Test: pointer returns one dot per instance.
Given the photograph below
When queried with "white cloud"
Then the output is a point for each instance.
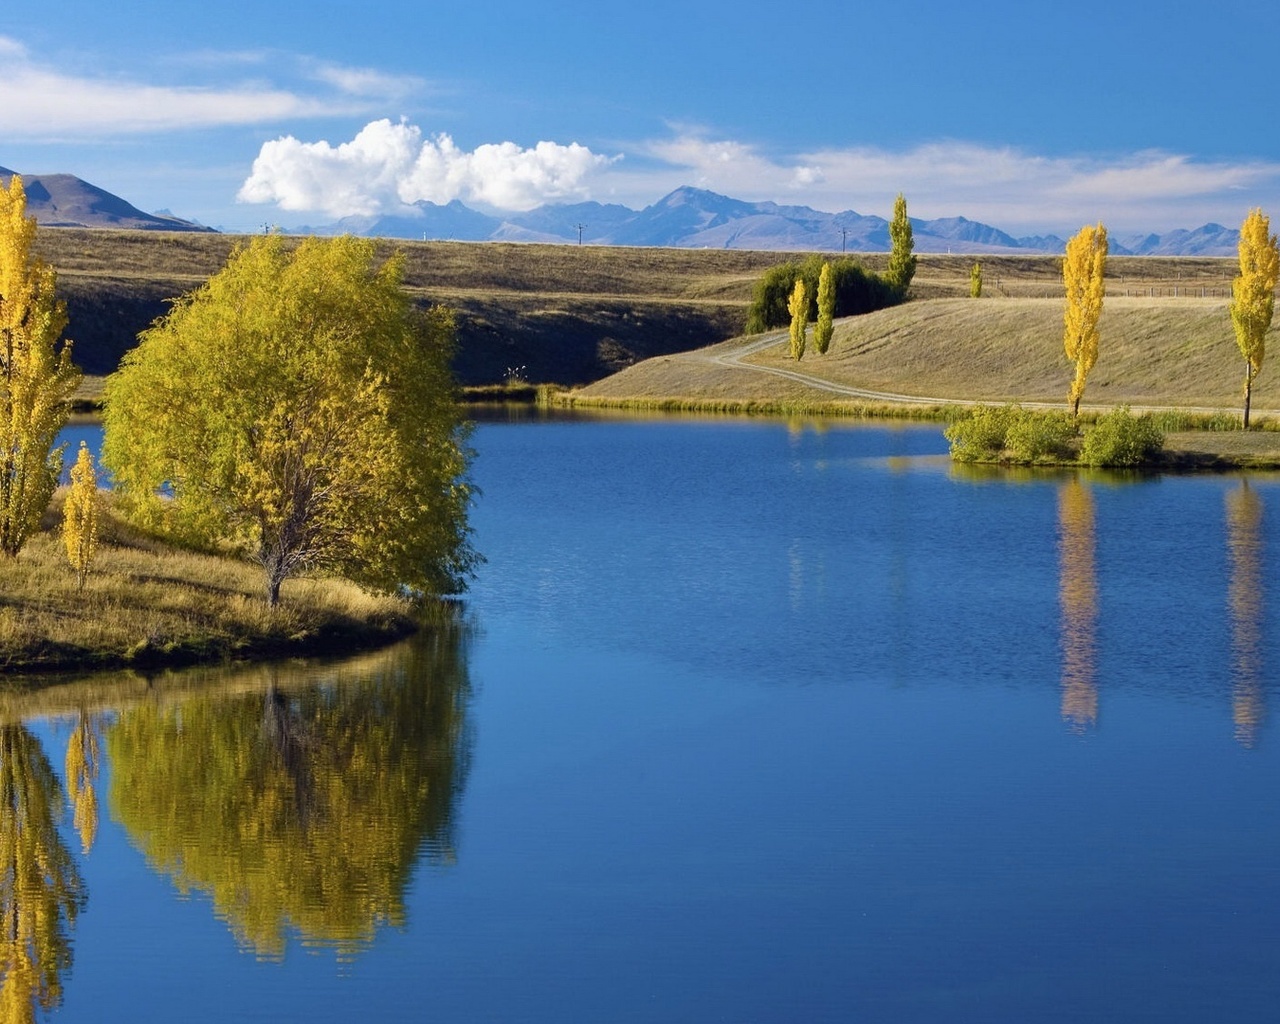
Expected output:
(363, 81)
(1003, 186)
(389, 165)
(41, 101)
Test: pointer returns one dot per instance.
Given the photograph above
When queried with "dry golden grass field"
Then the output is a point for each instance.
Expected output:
(571, 315)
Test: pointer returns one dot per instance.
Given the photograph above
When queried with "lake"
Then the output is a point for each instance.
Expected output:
(751, 721)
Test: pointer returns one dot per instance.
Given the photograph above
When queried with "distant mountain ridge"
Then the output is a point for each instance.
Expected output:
(696, 218)
(685, 218)
(65, 201)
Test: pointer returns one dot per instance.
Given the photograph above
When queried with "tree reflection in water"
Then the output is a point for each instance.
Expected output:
(1245, 604)
(301, 807)
(1078, 595)
(41, 891)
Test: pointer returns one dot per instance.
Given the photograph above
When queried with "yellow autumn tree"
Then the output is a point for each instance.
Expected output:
(798, 307)
(300, 407)
(1083, 272)
(80, 515)
(1253, 297)
(36, 374)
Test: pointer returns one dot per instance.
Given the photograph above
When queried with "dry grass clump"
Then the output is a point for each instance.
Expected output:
(145, 603)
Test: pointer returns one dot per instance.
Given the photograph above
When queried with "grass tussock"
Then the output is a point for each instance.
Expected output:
(147, 604)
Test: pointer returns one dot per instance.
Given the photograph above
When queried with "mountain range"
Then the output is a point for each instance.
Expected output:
(686, 218)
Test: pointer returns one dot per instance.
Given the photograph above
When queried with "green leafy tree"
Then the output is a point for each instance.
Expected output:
(975, 281)
(299, 407)
(1083, 275)
(37, 376)
(825, 326)
(798, 307)
(1253, 296)
(301, 808)
(902, 259)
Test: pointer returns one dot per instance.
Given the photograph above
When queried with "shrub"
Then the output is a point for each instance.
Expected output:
(1036, 437)
(980, 436)
(1011, 433)
(1121, 439)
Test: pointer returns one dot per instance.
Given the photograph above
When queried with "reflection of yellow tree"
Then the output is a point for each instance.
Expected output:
(40, 888)
(82, 778)
(1078, 594)
(300, 809)
(1244, 597)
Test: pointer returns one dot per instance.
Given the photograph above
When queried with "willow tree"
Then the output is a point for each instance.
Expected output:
(902, 259)
(798, 307)
(825, 326)
(300, 407)
(36, 374)
(1083, 270)
(1253, 296)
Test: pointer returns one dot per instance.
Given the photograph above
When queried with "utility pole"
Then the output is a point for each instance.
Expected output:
(844, 232)
(580, 227)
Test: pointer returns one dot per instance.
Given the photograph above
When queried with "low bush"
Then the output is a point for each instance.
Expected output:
(1041, 437)
(980, 436)
(1121, 439)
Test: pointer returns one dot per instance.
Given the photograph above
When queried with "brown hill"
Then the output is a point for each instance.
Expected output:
(65, 201)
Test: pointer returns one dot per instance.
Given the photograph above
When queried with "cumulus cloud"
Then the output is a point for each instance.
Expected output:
(389, 165)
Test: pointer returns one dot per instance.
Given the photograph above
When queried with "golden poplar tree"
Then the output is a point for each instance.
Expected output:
(798, 307)
(1253, 296)
(975, 281)
(825, 327)
(36, 377)
(1083, 270)
(80, 515)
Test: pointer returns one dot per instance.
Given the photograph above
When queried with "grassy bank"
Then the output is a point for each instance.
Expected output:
(149, 604)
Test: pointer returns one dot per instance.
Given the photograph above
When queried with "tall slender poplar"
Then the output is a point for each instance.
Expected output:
(1083, 272)
(798, 307)
(80, 516)
(36, 377)
(1253, 297)
(902, 259)
(825, 327)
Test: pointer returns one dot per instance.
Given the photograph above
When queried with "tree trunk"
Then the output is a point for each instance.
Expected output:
(1248, 395)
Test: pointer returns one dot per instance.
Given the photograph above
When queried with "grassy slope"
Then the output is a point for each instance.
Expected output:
(147, 603)
(1153, 351)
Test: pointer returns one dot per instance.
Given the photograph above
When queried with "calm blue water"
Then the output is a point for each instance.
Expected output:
(755, 723)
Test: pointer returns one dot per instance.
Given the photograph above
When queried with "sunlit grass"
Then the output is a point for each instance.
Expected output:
(145, 603)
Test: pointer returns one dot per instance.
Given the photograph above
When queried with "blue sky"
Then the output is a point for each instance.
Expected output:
(1031, 116)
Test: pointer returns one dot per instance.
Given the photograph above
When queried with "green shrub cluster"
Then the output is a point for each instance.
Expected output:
(857, 290)
(1121, 439)
(1010, 433)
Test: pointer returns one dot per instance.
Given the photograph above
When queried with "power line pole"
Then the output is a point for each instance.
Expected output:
(580, 227)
